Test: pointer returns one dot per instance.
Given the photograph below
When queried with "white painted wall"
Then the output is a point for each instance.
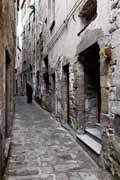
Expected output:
(68, 41)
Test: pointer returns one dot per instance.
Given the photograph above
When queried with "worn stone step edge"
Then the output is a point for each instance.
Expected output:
(90, 143)
(92, 133)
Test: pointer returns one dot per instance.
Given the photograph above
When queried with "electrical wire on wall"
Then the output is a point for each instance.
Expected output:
(65, 23)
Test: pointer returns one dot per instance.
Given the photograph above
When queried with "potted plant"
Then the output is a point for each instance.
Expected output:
(106, 52)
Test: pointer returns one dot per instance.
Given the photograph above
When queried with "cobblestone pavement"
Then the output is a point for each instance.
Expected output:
(43, 150)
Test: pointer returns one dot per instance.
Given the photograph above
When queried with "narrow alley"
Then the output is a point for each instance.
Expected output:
(59, 90)
(42, 150)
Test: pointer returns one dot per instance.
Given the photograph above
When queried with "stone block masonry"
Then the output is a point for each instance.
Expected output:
(7, 60)
(43, 150)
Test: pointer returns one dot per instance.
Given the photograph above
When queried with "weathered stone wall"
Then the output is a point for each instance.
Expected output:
(114, 68)
(7, 58)
(111, 136)
(55, 45)
(78, 96)
(111, 152)
(1, 87)
(18, 70)
(59, 47)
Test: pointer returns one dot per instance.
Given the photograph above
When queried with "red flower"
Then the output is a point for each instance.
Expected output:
(108, 52)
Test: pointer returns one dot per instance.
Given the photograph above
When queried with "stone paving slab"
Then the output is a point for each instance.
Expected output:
(43, 150)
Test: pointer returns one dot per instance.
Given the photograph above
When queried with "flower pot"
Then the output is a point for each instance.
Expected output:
(108, 52)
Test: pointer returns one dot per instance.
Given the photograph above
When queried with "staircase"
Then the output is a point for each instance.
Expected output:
(91, 142)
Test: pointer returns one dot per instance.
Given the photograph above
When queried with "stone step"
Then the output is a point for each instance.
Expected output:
(90, 143)
(95, 133)
(98, 125)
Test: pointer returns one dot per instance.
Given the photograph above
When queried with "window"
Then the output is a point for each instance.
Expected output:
(51, 14)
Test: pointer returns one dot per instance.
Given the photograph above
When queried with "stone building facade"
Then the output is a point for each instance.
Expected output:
(18, 61)
(7, 60)
(75, 77)
(28, 43)
(18, 74)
